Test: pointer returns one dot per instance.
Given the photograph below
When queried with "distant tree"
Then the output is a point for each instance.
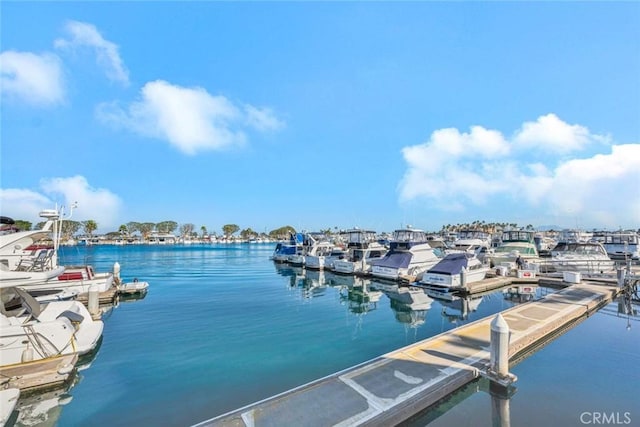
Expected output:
(70, 228)
(203, 230)
(186, 230)
(89, 226)
(133, 227)
(23, 225)
(282, 232)
(248, 233)
(166, 226)
(145, 228)
(229, 229)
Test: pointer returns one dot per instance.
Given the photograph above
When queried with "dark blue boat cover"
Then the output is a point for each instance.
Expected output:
(451, 264)
(394, 260)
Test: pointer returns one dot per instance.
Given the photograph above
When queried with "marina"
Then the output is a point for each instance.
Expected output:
(251, 360)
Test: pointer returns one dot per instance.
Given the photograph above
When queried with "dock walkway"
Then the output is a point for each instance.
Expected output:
(397, 385)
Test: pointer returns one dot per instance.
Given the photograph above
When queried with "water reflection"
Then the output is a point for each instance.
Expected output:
(359, 298)
(43, 409)
(409, 304)
(458, 309)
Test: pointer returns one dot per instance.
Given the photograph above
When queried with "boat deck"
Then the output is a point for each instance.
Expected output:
(395, 386)
(38, 374)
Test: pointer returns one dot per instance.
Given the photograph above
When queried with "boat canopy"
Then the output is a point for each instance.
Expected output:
(394, 260)
(452, 264)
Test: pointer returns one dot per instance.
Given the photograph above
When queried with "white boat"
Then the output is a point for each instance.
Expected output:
(30, 259)
(410, 255)
(135, 287)
(362, 248)
(620, 245)
(515, 243)
(324, 257)
(453, 272)
(8, 400)
(471, 241)
(583, 257)
(32, 331)
(312, 245)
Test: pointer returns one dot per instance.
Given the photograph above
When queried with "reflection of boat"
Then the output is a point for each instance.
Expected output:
(520, 293)
(410, 304)
(361, 299)
(8, 400)
(459, 308)
(43, 409)
(362, 248)
(410, 254)
(444, 278)
(34, 332)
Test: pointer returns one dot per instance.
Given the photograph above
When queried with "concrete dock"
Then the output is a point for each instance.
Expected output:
(397, 385)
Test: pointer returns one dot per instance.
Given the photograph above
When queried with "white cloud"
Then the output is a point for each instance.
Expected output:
(32, 78)
(191, 119)
(23, 204)
(262, 119)
(86, 35)
(550, 134)
(99, 204)
(479, 167)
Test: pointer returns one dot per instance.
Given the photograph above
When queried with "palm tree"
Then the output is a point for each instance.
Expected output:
(90, 226)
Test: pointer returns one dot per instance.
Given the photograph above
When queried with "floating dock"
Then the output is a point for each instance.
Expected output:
(391, 388)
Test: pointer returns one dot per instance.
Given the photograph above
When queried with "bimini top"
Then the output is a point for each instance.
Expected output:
(6, 220)
(452, 264)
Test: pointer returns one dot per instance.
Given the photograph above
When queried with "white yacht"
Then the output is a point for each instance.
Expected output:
(583, 257)
(620, 245)
(471, 241)
(410, 254)
(31, 331)
(312, 245)
(362, 248)
(453, 272)
(30, 259)
(325, 257)
(515, 243)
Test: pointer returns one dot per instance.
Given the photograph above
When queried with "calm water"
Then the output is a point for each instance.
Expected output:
(222, 327)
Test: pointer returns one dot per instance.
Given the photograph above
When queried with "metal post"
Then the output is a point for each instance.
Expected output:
(500, 346)
(94, 300)
(620, 275)
(116, 273)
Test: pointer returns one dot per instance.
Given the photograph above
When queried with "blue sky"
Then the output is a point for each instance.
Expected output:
(322, 114)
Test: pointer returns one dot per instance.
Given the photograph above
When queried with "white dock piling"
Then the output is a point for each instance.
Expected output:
(500, 346)
(116, 273)
(94, 300)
